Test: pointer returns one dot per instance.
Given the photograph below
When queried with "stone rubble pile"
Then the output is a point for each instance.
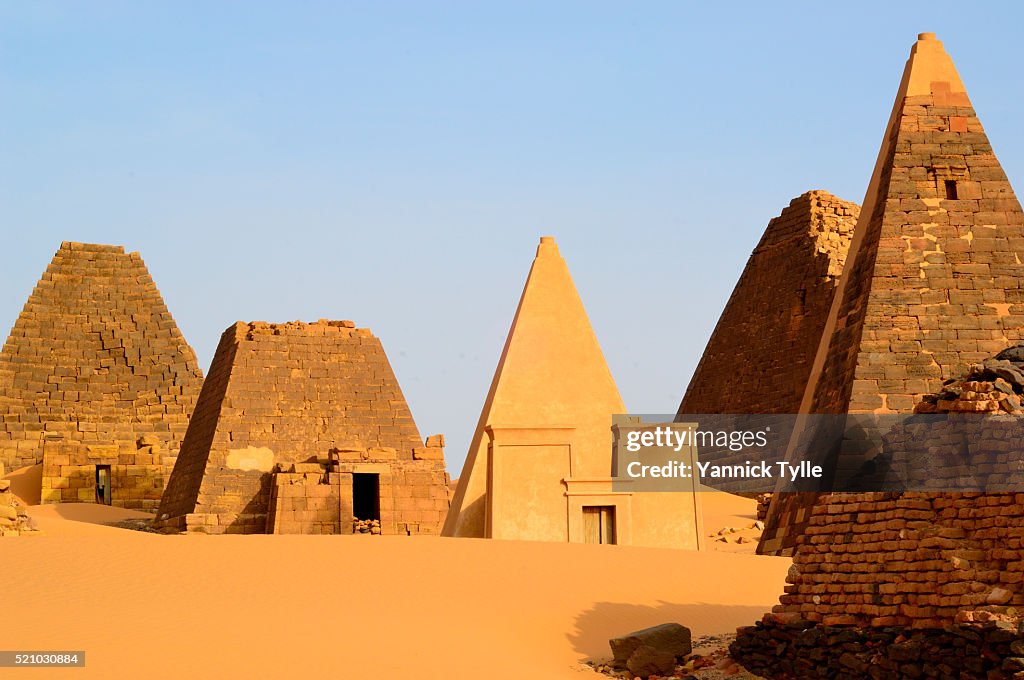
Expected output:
(995, 385)
(365, 526)
(764, 500)
(736, 534)
(14, 519)
(708, 660)
(785, 646)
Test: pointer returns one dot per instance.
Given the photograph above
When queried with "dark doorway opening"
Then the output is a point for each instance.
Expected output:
(366, 495)
(103, 484)
(599, 524)
(950, 189)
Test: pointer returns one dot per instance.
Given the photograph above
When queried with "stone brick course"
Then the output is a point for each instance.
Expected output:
(136, 478)
(785, 648)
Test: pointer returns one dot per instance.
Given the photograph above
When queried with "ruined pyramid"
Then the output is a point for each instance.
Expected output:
(302, 428)
(761, 351)
(932, 281)
(95, 364)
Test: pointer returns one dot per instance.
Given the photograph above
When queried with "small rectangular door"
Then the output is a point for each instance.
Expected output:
(103, 484)
(599, 524)
(366, 496)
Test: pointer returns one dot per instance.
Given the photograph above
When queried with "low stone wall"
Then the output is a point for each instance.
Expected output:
(136, 474)
(786, 648)
(310, 498)
(316, 497)
(305, 502)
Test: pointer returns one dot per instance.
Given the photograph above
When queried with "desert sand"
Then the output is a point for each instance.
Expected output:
(732, 518)
(26, 483)
(151, 606)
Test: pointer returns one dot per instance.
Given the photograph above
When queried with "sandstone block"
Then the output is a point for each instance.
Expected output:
(646, 661)
(668, 638)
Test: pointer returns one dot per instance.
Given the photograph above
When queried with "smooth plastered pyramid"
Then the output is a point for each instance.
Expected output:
(552, 377)
(540, 466)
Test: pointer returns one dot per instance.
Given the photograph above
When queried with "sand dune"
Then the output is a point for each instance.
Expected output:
(26, 483)
(146, 605)
(82, 519)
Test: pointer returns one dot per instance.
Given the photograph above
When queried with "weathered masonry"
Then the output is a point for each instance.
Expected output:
(915, 583)
(96, 381)
(932, 283)
(761, 351)
(302, 428)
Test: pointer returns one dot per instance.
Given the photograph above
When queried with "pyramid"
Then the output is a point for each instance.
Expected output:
(541, 453)
(289, 418)
(932, 281)
(761, 351)
(95, 361)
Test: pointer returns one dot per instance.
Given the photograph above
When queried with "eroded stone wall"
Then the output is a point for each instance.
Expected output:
(95, 358)
(297, 393)
(136, 477)
(314, 498)
(759, 356)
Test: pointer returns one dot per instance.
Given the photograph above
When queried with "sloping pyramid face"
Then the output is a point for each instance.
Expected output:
(552, 374)
(932, 282)
(922, 584)
(95, 358)
(281, 394)
(760, 354)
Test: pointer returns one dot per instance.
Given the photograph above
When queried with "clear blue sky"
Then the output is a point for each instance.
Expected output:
(394, 162)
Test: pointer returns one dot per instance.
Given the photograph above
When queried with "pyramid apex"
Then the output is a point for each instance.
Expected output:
(930, 71)
(547, 245)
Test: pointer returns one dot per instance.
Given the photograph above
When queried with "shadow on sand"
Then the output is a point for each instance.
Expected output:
(605, 620)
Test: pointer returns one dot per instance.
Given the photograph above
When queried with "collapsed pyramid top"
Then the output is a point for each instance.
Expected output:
(95, 357)
(551, 373)
(761, 350)
(932, 281)
(284, 393)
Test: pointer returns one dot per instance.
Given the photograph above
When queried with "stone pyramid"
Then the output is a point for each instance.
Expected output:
(918, 583)
(95, 360)
(551, 376)
(761, 351)
(314, 400)
(932, 283)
